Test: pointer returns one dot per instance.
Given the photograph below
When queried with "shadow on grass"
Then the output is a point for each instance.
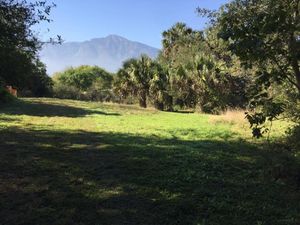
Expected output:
(9, 119)
(204, 134)
(184, 111)
(49, 110)
(116, 178)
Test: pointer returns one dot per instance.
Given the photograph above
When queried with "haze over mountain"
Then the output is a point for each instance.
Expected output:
(109, 53)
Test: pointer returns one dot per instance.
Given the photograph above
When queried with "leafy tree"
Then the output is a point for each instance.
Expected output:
(264, 34)
(232, 81)
(84, 82)
(18, 42)
(38, 84)
(83, 77)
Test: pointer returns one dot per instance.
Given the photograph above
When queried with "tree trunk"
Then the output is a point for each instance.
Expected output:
(143, 99)
(294, 49)
(297, 74)
(294, 61)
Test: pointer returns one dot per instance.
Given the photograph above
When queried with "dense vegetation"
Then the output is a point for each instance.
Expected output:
(264, 35)
(19, 45)
(187, 74)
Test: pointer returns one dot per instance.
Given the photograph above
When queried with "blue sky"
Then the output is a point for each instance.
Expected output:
(137, 20)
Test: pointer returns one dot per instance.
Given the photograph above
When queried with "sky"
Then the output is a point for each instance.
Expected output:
(136, 20)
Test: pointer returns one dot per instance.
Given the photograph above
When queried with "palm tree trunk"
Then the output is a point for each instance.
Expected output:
(293, 50)
(143, 99)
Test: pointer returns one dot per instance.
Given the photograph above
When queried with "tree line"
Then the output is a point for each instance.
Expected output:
(186, 74)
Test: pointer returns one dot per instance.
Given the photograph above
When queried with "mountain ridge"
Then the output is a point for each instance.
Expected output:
(107, 52)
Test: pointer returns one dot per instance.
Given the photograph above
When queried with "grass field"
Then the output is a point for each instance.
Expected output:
(70, 162)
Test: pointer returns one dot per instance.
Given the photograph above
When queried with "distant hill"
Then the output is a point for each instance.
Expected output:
(109, 53)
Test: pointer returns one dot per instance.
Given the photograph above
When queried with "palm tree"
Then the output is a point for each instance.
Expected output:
(143, 78)
(135, 77)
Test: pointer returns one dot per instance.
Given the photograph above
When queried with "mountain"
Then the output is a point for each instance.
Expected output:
(109, 53)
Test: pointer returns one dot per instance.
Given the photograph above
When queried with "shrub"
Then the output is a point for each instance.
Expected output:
(66, 92)
(98, 95)
(5, 96)
(89, 83)
(293, 138)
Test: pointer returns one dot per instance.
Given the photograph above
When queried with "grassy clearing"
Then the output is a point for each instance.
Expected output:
(71, 162)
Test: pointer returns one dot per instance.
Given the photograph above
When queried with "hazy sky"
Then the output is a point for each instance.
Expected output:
(137, 20)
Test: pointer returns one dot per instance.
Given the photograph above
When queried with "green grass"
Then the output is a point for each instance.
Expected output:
(70, 162)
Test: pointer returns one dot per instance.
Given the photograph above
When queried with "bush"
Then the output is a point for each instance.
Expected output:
(5, 96)
(89, 83)
(158, 105)
(98, 95)
(291, 102)
(93, 94)
(293, 138)
(66, 92)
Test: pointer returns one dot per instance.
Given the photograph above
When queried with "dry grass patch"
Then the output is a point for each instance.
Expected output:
(230, 116)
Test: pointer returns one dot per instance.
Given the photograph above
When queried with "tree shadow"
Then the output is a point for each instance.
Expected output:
(55, 177)
(184, 111)
(8, 119)
(50, 110)
(198, 133)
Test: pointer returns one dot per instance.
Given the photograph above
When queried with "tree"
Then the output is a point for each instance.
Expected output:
(38, 83)
(201, 72)
(181, 44)
(139, 78)
(177, 36)
(159, 85)
(84, 82)
(265, 35)
(18, 42)
(83, 77)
